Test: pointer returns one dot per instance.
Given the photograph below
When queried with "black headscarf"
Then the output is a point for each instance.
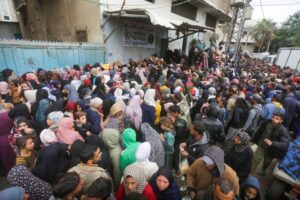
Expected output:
(172, 192)
(19, 110)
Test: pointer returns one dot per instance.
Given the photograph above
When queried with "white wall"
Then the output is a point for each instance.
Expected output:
(7, 9)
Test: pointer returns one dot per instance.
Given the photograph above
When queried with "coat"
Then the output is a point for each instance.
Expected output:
(280, 138)
(197, 148)
(148, 193)
(95, 119)
(148, 114)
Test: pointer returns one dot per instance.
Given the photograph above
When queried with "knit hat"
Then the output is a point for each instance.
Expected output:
(4, 87)
(48, 137)
(30, 95)
(143, 151)
(96, 102)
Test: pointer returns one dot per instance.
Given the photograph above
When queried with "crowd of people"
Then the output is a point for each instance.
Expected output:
(130, 131)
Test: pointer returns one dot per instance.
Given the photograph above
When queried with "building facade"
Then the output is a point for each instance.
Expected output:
(9, 25)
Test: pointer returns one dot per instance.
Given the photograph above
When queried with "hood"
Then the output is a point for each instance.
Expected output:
(203, 140)
(128, 137)
(217, 155)
(253, 182)
(111, 137)
(143, 151)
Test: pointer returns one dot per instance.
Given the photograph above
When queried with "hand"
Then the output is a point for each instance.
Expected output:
(184, 153)
(268, 142)
(88, 133)
(161, 137)
(182, 145)
(8, 106)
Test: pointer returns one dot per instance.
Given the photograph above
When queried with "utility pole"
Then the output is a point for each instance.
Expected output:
(241, 11)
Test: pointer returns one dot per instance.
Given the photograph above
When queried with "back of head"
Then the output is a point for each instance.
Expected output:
(65, 185)
(174, 109)
(226, 186)
(199, 126)
(87, 153)
(100, 188)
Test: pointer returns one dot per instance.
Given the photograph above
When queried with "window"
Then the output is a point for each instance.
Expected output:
(151, 1)
(6, 17)
(81, 36)
(210, 21)
(186, 10)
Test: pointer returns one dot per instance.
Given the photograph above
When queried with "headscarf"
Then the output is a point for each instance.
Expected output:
(48, 137)
(116, 108)
(149, 97)
(137, 173)
(96, 102)
(32, 77)
(4, 87)
(172, 192)
(30, 95)
(143, 152)
(134, 111)
(65, 132)
(12, 193)
(37, 189)
(19, 110)
(70, 106)
(245, 142)
(73, 95)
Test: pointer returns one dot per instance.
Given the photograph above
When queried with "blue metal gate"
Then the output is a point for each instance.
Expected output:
(23, 56)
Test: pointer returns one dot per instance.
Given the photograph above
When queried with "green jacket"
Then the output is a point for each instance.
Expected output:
(169, 142)
(128, 155)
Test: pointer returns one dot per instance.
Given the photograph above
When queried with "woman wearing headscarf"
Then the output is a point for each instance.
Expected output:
(239, 155)
(116, 118)
(239, 117)
(129, 140)
(65, 132)
(19, 110)
(7, 154)
(23, 127)
(142, 160)
(148, 108)
(157, 154)
(134, 180)
(94, 116)
(36, 188)
(72, 93)
(164, 185)
(134, 111)
(111, 139)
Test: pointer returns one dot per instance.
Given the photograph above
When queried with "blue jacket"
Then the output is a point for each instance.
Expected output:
(251, 181)
(269, 109)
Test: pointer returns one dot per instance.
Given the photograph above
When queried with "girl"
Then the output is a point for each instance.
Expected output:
(168, 140)
(27, 155)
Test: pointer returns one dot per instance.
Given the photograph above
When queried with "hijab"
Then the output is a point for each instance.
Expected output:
(134, 110)
(18, 111)
(65, 132)
(137, 173)
(73, 95)
(172, 192)
(37, 189)
(50, 96)
(149, 97)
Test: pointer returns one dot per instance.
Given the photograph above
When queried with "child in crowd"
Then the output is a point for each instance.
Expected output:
(81, 124)
(168, 140)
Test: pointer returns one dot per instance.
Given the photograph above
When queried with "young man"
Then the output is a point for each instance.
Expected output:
(88, 168)
(197, 144)
(272, 139)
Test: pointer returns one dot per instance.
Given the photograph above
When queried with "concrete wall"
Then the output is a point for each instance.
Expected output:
(7, 9)
(60, 19)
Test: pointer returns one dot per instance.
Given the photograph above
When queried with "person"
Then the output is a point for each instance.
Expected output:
(82, 126)
(272, 139)
(7, 153)
(100, 189)
(65, 132)
(134, 180)
(180, 128)
(157, 148)
(142, 160)
(27, 154)
(222, 189)
(239, 155)
(168, 140)
(129, 140)
(205, 170)
(24, 129)
(197, 144)
(111, 139)
(47, 137)
(148, 108)
(68, 186)
(94, 116)
(272, 107)
(164, 185)
(14, 193)
(87, 169)
(250, 189)
(254, 115)
(134, 111)
(37, 189)
(53, 119)
(73, 96)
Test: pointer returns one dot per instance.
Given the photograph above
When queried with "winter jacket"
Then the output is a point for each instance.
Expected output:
(269, 109)
(280, 138)
(148, 114)
(95, 119)
(239, 118)
(291, 106)
(169, 142)
(251, 181)
(200, 178)
(111, 139)
(148, 193)
(181, 130)
(197, 148)
(128, 155)
(215, 129)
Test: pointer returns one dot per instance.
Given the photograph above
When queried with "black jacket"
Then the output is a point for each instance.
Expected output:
(215, 128)
(280, 138)
(197, 148)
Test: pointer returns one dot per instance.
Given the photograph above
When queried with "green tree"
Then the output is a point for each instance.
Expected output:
(288, 35)
(263, 31)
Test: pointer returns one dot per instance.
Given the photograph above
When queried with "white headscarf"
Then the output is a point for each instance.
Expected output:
(143, 152)
(149, 97)
(48, 137)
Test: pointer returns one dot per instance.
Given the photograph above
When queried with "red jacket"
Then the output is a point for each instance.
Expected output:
(148, 192)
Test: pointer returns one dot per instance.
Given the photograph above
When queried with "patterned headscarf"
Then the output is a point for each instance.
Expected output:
(137, 173)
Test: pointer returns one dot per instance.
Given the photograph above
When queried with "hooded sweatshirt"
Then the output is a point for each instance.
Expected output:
(251, 181)
(200, 178)
(111, 138)
(129, 140)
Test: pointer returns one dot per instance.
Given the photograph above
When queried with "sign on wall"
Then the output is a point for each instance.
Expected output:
(139, 35)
